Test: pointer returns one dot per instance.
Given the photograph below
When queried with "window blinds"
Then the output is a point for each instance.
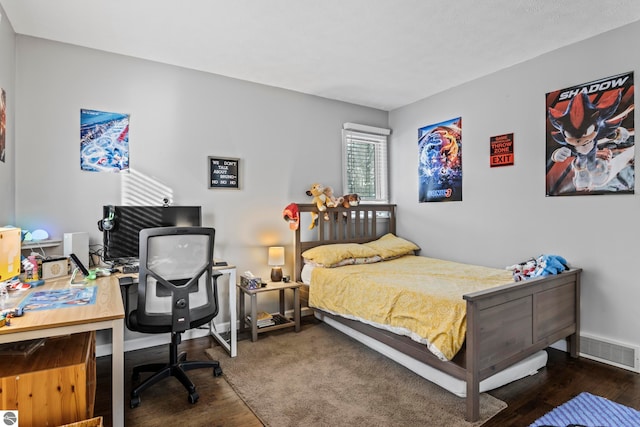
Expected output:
(365, 169)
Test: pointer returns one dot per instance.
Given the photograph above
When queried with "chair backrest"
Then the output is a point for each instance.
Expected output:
(176, 285)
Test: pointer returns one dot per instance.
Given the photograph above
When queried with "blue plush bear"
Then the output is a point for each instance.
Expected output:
(550, 264)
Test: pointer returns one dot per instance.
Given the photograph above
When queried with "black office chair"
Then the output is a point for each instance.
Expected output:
(176, 291)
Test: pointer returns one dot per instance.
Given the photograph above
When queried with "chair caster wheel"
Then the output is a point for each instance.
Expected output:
(135, 402)
(217, 371)
(193, 397)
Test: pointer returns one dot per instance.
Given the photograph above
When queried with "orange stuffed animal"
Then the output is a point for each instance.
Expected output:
(350, 200)
(323, 198)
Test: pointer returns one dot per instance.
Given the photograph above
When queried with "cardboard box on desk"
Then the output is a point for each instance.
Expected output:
(9, 253)
(52, 268)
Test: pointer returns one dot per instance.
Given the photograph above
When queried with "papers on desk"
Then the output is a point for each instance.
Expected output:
(59, 298)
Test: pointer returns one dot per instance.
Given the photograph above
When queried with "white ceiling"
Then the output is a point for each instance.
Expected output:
(377, 53)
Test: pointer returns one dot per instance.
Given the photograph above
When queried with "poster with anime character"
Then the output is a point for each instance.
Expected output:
(104, 141)
(590, 138)
(440, 162)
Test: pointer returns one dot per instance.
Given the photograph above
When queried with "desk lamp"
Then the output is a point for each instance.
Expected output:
(276, 260)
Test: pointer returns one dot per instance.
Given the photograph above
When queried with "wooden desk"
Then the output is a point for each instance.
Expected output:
(106, 313)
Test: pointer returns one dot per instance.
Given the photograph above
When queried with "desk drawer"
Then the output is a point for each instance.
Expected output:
(54, 385)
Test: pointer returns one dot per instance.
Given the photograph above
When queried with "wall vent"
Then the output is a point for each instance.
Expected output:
(614, 353)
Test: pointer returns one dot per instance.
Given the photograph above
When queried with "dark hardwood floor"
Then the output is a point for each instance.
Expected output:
(527, 399)
(562, 379)
(227, 409)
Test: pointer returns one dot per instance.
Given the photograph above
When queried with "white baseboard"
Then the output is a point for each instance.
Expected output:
(152, 340)
(605, 350)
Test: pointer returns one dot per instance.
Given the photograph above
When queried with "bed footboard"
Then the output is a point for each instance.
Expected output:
(511, 322)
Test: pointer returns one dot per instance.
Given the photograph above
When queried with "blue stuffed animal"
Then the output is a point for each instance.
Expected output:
(550, 264)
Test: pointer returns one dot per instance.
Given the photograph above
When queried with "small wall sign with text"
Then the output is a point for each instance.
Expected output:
(501, 150)
(224, 172)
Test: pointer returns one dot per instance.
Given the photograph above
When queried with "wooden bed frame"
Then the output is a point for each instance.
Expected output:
(505, 325)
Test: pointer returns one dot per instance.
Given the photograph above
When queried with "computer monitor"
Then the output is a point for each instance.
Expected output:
(122, 239)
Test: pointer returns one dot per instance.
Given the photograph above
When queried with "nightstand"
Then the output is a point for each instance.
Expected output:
(279, 318)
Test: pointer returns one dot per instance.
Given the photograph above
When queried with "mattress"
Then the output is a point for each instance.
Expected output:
(415, 296)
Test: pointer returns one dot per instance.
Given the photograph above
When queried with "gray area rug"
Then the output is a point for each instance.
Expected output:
(321, 377)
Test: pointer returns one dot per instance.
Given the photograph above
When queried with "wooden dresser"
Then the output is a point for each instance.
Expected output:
(54, 384)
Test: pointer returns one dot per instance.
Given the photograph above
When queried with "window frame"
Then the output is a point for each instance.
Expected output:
(378, 137)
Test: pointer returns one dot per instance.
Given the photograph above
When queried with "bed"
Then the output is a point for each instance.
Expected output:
(507, 326)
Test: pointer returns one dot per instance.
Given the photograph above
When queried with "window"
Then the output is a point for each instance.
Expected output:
(365, 170)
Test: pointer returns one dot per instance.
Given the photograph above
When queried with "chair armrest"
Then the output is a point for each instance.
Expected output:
(125, 284)
(126, 281)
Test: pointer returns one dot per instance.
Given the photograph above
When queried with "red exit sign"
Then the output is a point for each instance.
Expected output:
(501, 150)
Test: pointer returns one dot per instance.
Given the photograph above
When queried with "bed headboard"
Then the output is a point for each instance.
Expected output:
(358, 224)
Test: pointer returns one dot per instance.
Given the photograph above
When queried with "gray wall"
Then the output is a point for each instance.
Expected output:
(7, 75)
(505, 217)
(285, 140)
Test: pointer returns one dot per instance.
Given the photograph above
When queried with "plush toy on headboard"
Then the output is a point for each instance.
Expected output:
(323, 198)
(291, 214)
(350, 200)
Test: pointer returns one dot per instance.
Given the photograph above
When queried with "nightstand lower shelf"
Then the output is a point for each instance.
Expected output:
(281, 321)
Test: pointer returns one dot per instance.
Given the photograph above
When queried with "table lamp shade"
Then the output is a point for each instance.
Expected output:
(276, 259)
(276, 255)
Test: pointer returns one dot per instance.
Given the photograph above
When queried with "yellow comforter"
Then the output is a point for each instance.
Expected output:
(413, 295)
